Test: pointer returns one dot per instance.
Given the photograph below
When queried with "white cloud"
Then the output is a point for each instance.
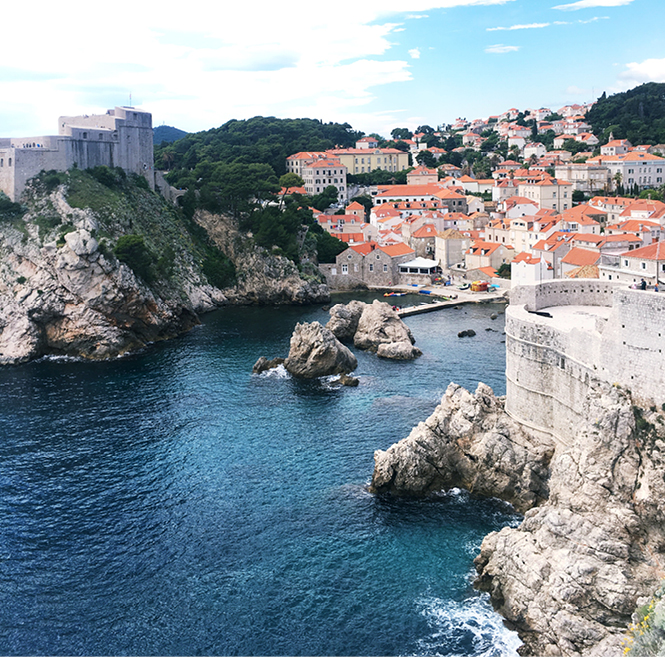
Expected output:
(415, 16)
(199, 73)
(530, 26)
(499, 48)
(414, 53)
(588, 4)
(650, 70)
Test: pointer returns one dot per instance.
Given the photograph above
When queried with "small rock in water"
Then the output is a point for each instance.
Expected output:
(468, 333)
(347, 380)
(325, 308)
(263, 364)
(493, 316)
(491, 329)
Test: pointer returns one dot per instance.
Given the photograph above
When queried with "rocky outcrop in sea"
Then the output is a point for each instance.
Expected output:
(316, 352)
(592, 543)
(373, 327)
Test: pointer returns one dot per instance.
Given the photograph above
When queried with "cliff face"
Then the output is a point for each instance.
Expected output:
(262, 277)
(63, 291)
(593, 536)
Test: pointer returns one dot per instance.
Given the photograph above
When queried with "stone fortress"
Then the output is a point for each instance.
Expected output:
(595, 330)
(120, 138)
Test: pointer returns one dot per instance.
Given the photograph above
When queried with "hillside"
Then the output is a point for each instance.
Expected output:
(637, 115)
(166, 133)
(93, 264)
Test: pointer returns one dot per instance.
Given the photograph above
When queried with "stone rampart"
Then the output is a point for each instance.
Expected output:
(596, 331)
(581, 292)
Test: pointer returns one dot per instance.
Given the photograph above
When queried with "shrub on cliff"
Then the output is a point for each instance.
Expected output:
(8, 210)
(131, 250)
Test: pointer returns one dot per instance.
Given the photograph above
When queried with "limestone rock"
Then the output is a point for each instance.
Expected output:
(590, 546)
(263, 364)
(315, 352)
(468, 333)
(380, 324)
(262, 277)
(344, 319)
(350, 381)
(398, 351)
(468, 442)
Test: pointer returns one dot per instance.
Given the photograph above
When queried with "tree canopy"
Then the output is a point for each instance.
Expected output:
(637, 115)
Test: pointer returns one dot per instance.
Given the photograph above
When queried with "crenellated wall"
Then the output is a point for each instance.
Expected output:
(596, 330)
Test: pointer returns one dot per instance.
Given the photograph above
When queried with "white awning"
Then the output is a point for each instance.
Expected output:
(420, 263)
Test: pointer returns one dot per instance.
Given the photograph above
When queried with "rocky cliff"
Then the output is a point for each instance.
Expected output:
(262, 277)
(592, 541)
(67, 288)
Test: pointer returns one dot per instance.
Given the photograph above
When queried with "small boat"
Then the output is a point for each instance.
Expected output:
(424, 292)
(394, 294)
(464, 286)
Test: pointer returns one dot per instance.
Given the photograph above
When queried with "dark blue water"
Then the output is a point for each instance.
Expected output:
(173, 503)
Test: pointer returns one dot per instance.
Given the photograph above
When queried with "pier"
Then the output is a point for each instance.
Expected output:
(433, 301)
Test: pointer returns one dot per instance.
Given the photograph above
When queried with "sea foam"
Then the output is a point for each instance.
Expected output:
(470, 627)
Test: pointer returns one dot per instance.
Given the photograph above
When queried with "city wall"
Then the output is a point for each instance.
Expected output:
(598, 331)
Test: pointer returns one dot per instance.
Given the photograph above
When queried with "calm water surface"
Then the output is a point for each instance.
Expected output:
(173, 503)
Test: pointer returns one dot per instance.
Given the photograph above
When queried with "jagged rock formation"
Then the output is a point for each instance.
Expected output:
(263, 364)
(468, 442)
(375, 327)
(63, 292)
(316, 352)
(592, 541)
(262, 277)
(344, 319)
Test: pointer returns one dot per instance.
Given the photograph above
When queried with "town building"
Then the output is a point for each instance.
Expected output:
(324, 172)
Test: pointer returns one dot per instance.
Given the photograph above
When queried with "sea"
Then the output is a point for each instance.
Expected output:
(173, 503)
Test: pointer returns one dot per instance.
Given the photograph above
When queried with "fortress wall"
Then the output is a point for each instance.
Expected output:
(633, 344)
(550, 362)
(545, 383)
(563, 292)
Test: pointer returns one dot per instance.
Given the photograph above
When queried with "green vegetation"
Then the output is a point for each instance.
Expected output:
(131, 250)
(261, 140)
(154, 236)
(10, 211)
(637, 115)
(328, 247)
(646, 636)
(166, 133)
(504, 270)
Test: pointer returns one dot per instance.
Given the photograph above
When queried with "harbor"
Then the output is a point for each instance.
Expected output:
(438, 297)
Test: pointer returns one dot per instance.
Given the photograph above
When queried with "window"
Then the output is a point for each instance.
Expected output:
(371, 266)
(385, 268)
(644, 265)
(9, 162)
(625, 263)
(345, 269)
(85, 135)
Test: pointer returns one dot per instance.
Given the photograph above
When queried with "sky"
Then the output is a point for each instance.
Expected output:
(376, 64)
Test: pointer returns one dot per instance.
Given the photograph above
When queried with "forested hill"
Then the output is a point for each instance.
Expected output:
(637, 115)
(166, 133)
(261, 140)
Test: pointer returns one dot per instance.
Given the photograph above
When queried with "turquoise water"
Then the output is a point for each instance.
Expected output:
(173, 503)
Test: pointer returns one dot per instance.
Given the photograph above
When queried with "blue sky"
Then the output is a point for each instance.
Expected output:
(377, 64)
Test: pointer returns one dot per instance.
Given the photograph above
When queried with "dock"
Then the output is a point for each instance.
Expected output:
(432, 303)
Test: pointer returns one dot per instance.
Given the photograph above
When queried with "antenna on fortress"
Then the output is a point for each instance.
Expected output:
(130, 99)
